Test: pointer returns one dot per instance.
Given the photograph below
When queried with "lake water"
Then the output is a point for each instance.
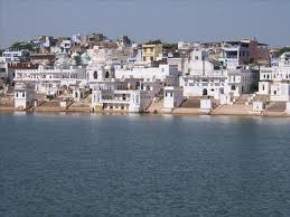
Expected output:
(96, 165)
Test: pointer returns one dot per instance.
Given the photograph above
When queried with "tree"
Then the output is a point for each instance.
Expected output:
(78, 60)
(283, 50)
(23, 46)
(154, 42)
(170, 46)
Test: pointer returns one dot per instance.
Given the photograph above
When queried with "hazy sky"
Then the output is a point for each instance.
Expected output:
(172, 20)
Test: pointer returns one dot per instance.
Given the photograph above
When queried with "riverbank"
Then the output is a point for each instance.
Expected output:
(177, 112)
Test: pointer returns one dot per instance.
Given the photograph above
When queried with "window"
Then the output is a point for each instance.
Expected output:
(233, 87)
(231, 54)
(196, 57)
(107, 75)
(95, 75)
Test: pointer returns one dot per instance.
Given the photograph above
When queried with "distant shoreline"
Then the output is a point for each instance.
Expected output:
(4, 110)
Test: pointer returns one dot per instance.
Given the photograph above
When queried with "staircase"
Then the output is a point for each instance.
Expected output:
(235, 109)
(276, 107)
(243, 99)
(191, 102)
(262, 98)
(156, 106)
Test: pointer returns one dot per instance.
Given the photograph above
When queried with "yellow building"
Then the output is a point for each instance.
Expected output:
(150, 52)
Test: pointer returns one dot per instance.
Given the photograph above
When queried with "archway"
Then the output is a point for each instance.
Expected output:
(95, 75)
(204, 92)
(107, 74)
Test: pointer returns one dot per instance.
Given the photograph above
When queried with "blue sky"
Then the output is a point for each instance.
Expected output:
(171, 20)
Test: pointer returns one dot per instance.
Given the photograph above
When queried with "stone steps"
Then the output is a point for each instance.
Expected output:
(276, 107)
(155, 106)
(235, 109)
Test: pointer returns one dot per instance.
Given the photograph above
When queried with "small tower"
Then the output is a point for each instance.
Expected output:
(23, 96)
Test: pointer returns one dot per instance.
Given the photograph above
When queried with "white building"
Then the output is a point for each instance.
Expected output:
(207, 77)
(135, 56)
(275, 80)
(206, 105)
(181, 45)
(49, 80)
(23, 96)
(65, 45)
(173, 97)
(15, 55)
(111, 99)
(76, 38)
(100, 73)
(108, 56)
(288, 108)
(235, 54)
(243, 52)
(164, 73)
(3, 68)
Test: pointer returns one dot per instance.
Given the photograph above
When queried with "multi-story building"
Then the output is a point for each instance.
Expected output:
(49, 81)
(166, 74)
(112, 91)
(238, 53)
(3, 68)
(151, 52)
(275, 80)
(207, 77)
(121, 100)
(16, 55)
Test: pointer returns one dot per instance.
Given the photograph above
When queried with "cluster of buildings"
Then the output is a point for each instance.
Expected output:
(124, 76)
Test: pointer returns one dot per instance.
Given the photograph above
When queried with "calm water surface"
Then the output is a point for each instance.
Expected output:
(86, 165)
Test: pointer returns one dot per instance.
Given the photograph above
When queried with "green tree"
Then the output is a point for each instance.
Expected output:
(23, 46)
(154, 42)
(78, 60)
(283, 50)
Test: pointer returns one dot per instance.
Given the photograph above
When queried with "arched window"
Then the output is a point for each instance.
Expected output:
(107, 75)
(95, 75)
